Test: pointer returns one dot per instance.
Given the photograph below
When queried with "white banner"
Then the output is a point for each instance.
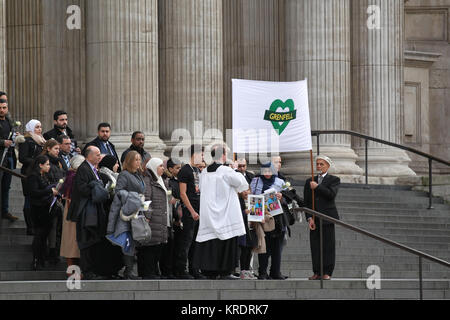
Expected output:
(270, 117)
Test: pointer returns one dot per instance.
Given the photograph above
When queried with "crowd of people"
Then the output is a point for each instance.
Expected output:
(83, 205)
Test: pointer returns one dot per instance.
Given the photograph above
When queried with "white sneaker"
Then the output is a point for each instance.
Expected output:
(251, 276)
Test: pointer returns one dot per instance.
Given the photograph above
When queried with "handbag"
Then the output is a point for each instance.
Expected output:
(269, 224)
(140, 229)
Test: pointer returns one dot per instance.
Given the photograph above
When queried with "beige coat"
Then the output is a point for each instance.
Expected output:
(69, 245)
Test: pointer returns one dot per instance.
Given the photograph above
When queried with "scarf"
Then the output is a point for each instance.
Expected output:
(153, 165)
(267, 183)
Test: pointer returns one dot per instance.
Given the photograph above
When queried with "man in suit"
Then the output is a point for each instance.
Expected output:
(102, 142)
(137, 144)
(89, 239)
(242, 168)
(65, 144)
(60, 121)
(325, 188)
(9, 160)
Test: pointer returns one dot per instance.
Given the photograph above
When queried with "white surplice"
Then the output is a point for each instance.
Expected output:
(220, 211)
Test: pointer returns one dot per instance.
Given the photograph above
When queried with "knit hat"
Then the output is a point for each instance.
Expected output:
(31, 125)
(108, 162)
(326, 159)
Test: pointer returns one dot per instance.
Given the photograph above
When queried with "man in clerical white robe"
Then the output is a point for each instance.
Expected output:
(221, 221)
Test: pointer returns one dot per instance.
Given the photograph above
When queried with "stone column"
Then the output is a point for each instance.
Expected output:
(253, 44)
(3, 45)
(318, 48)
(122, 70)
(377, 100)
(191, 69)
(46, 70)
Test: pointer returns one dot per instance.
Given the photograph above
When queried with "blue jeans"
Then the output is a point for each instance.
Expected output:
(6, 185)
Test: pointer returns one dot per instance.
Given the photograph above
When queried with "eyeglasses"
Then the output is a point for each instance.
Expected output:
(3, 101)
(242, 166)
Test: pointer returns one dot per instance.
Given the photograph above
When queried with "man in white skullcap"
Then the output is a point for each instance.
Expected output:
(325, 188)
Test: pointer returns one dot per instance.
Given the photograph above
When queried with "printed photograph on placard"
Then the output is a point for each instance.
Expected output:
(256, 208)
(272, 204)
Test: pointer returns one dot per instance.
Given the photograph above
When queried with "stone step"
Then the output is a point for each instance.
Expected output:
(389, 205)
(291, 289)
(374, 198)
(32, 275)
(393, 212)
(403, 239)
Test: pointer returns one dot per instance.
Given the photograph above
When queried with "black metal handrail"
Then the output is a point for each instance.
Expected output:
(13, 173)
(367, 138)
(420, 254)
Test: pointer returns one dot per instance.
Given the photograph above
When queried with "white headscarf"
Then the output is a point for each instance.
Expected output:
(153, 165)
(31, 125)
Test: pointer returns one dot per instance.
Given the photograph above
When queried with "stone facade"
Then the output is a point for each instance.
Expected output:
(157, 66)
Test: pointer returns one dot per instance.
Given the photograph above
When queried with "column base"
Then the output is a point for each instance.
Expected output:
(386, 165)
(298, 165)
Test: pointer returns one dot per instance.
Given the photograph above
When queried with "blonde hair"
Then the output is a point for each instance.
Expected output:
(129, 159)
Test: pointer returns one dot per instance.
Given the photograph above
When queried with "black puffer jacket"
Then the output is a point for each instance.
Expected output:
(56, 170)
(28, 151)
(158, 215)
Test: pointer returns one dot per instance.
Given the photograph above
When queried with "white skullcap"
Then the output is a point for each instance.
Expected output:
(31, 125)
(326, 159)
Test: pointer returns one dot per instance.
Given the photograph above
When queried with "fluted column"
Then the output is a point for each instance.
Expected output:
(3, 45)
(377, 70)
(318, 48)
(46, 70)
(191, 69)
(122, 70)
(253, 44)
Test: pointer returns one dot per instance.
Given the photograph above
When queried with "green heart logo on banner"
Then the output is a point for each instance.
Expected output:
(280, 120)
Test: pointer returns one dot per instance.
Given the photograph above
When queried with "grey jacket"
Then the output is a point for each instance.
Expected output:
(158, 212)
(129, 203)
(131, 182)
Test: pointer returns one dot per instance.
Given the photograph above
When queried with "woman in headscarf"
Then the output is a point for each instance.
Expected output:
(30, 146)
(69, 245)
(274, 239)
(159, 220)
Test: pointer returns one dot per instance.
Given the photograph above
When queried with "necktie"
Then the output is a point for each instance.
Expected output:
(320, 179)
(109, 149)
(66, 159)
(96, 173)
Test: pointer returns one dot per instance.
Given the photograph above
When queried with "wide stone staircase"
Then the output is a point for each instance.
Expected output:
(393, 212)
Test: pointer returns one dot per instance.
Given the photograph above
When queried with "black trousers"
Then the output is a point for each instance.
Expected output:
(329, 248)
(274, 246)
(245, 257)
(148, 260)
(42, 224)
(185, 243)
(167, 257)
(91, 260)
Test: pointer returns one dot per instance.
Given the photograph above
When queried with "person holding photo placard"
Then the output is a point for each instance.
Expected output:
(274, 239)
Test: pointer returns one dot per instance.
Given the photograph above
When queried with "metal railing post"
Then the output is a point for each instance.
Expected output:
(318, 144)
(420, 278)
(321, 253)
(430, 182)
(367, 161)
